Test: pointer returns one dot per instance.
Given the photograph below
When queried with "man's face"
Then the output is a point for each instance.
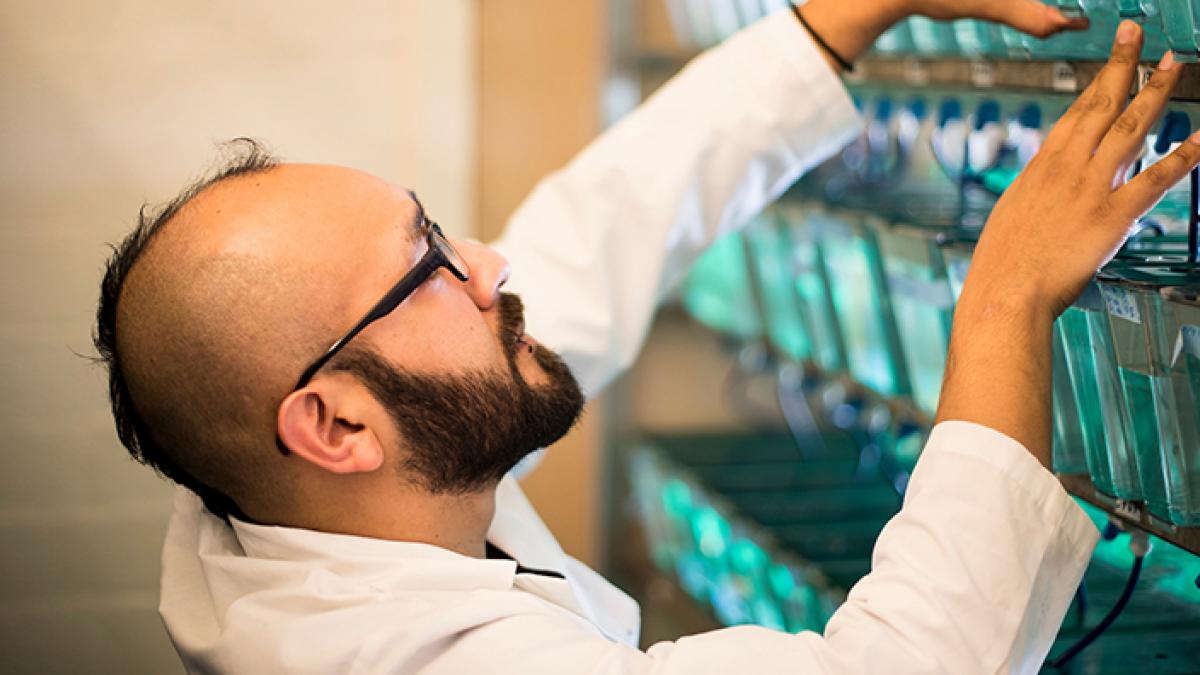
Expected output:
(462, 432)
(468, 392)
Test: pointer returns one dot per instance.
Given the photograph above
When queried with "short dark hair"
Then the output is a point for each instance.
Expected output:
(241, 156)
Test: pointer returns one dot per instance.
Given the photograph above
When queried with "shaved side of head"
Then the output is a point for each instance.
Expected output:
(193, 337)
(209, 348)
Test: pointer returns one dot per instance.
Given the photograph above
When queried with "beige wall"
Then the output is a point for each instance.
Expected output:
(109, 103)
(541, 70)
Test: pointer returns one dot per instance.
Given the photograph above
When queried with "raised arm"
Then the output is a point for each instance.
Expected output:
(597, 244)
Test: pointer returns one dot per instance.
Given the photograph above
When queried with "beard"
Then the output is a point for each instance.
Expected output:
(465, 432)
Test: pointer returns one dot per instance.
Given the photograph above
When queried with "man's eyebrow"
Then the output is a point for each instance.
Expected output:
(418, 223)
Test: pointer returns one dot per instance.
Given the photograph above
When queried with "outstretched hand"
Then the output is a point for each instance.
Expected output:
(850, 27)
(1064, 217)
(1071, 209)
(1029, 16)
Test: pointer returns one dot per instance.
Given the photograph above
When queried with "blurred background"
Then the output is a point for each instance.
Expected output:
(740, 472)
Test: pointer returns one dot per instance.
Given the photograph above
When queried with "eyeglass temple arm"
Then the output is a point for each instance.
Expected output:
(417, 276)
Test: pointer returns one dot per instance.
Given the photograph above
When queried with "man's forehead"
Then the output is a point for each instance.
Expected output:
(295, 204)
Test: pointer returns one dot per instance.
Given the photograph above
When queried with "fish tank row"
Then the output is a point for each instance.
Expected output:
(1167, 24)
(761, 536)
(856, 271)
(872, 298)
(721, 559)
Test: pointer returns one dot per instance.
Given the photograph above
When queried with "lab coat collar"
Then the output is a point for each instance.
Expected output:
(374, 561)
(425, 566)
(516, 529)
(209, 565)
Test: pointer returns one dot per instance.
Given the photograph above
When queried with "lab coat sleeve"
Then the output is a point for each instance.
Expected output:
(974, 575)
(599, 243)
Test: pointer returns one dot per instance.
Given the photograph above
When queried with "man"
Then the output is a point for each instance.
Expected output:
(301, 347)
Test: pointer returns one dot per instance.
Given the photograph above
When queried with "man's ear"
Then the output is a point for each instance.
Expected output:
(324, 424)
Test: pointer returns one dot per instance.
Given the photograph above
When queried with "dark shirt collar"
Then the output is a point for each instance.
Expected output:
(495, 553)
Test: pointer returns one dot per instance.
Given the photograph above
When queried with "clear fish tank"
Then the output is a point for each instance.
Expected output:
(770, 254)
(1087, 345)
(933, 38)
(1181, 21)
(923, 305)
(801, 223)
(1133, 305)
(717, 291)
(861, 301)
(1177, 344)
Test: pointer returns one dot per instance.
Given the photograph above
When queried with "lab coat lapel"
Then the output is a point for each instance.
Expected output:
(518, 531)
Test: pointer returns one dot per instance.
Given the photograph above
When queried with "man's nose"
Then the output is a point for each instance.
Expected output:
(489, 271)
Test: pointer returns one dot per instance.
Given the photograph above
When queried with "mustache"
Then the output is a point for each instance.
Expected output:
(512, 321)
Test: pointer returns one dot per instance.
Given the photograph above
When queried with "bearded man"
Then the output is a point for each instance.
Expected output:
(342, 392)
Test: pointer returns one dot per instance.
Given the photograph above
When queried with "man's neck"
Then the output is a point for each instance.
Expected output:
(457, 523)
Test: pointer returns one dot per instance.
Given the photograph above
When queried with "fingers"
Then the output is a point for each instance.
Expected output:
(1145, 190)
(1124, 141)
(1031, 16)
(1064, 129)
(1104, 100)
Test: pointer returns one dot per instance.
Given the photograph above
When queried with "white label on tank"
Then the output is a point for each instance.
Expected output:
(1121, 303)
(983, 74)
(1062, 77)
(1128, 510)
(915, 73)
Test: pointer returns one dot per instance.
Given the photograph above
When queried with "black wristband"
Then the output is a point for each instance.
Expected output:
(846, 65)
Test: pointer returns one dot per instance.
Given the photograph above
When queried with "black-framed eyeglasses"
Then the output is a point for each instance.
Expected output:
(440, 254)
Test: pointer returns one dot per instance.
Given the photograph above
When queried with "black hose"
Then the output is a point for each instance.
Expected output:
(1108, 619)
(1194, 218)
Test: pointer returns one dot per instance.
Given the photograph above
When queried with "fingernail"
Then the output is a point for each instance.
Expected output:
(1194, 138)
(1167, 62)
(1126, 32)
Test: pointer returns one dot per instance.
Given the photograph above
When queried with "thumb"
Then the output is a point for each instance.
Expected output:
(1029, 16)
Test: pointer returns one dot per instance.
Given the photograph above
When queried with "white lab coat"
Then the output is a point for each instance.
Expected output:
(973, 576)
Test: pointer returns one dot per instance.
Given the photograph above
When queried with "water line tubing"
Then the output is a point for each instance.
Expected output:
(1139, 543)
(1194, 218)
